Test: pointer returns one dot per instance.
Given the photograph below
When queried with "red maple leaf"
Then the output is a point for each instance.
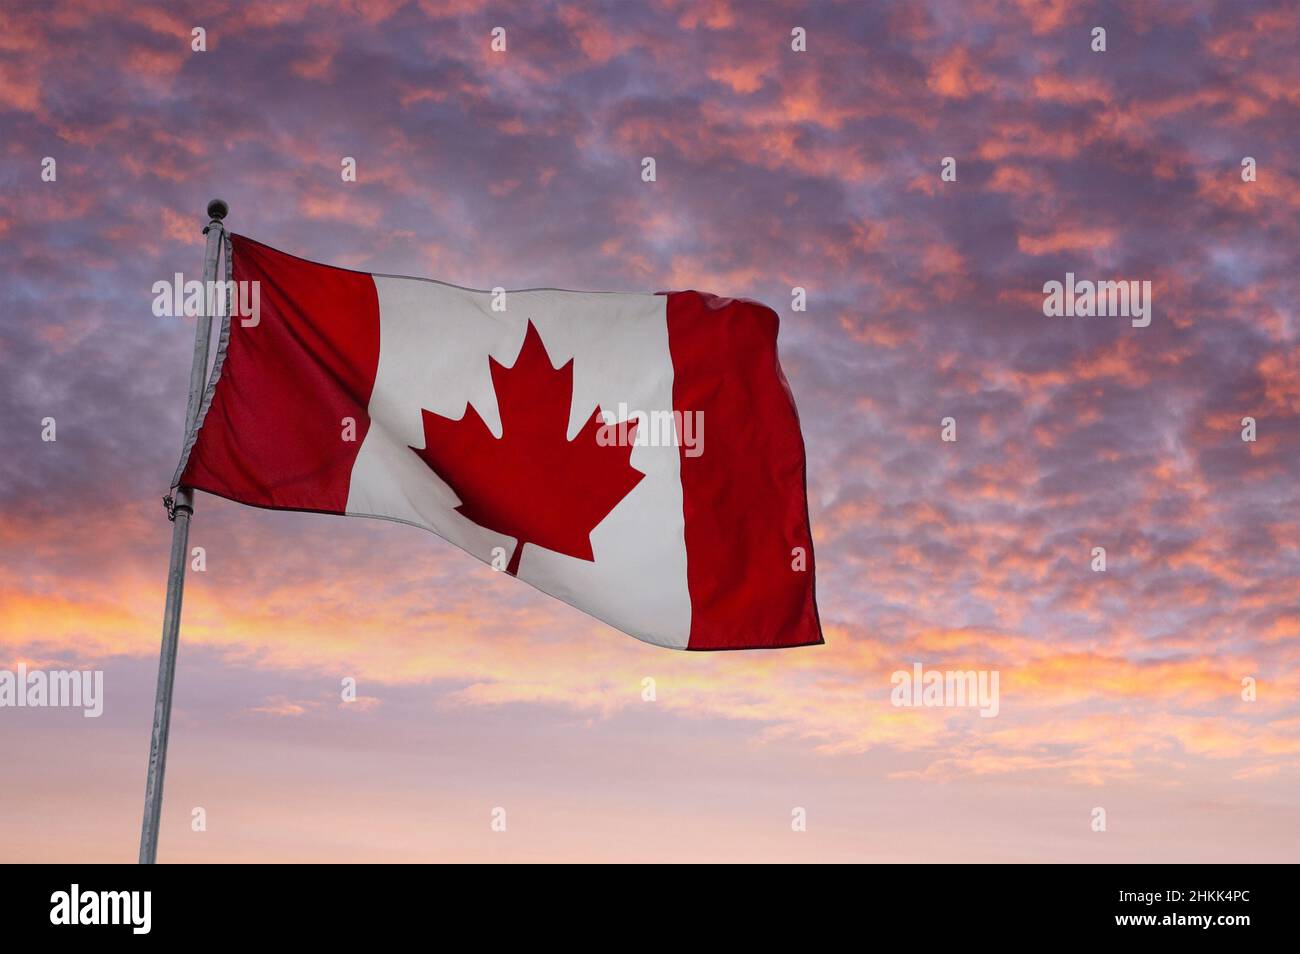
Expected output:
(533, 484)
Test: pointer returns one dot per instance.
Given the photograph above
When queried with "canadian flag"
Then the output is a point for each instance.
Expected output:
(637, 456)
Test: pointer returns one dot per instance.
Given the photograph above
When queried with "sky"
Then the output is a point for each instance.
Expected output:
(1121, 691)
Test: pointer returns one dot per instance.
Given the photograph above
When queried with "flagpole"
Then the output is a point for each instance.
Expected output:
(180, 510)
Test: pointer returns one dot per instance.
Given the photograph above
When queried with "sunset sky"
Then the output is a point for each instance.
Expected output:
(1120, 690)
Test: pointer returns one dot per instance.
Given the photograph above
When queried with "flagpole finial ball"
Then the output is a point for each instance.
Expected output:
(217, 209)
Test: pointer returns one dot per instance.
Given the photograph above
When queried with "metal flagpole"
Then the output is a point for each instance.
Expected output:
(180, 511)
